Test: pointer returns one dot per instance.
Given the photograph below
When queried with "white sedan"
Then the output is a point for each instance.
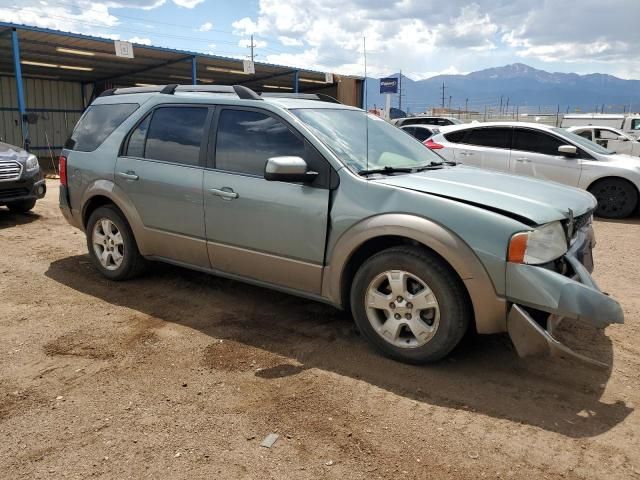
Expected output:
(609, 138)
(549, 153)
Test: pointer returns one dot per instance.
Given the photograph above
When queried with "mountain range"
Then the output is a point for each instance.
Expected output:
(518, 85)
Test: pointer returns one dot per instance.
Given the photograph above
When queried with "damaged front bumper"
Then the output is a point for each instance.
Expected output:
(541, 298)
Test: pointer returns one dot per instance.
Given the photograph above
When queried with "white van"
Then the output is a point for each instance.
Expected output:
(629, 124)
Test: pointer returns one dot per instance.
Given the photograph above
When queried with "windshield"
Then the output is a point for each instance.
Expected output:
(345, 132)
(583, 142)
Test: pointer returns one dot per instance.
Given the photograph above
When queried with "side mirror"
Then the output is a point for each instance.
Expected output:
(288, 169)
(567, 150)
(622, 138)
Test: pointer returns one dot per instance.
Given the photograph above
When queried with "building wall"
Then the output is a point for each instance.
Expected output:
(58, 105)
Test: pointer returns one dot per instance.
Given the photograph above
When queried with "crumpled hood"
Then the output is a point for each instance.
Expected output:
(11, 152)
(538, 201)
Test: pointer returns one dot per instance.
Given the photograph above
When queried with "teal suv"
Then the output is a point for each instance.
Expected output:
(304, 195)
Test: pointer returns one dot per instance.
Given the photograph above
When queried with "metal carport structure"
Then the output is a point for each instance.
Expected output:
(56, 74)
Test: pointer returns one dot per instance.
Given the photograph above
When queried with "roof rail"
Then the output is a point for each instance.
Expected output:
(301, 96)
(241, 91)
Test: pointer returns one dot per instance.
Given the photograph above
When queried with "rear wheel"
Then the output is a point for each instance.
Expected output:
(21, 206)
(111, 244)
(617, 198)
(410, 305)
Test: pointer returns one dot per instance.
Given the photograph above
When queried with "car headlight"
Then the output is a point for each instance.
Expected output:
(32, 163)
(538, 246)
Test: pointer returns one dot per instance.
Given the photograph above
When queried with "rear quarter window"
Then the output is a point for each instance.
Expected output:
(97, 123)
(457, 136)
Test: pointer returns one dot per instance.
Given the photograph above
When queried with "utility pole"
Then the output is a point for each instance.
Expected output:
(251, 47)
(501, 104)
(506, 110)
(449, 104)
(466, 107)
(443, 87)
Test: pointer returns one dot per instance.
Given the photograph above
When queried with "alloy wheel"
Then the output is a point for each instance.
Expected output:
(402, 309)
(108, 244)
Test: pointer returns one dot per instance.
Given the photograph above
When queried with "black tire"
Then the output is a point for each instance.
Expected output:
(449, 291)
(132, 262)
(21, 206)
(617, 198)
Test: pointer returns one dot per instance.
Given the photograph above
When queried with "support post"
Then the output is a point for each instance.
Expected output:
(296, 81)
(15, 43)
(194, 71)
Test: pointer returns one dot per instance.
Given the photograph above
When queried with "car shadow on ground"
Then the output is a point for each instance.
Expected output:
(12, 219)
(482, 375)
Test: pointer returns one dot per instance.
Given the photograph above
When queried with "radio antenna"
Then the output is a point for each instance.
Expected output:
(366, 99)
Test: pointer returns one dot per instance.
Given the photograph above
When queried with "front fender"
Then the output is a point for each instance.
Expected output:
(489, 308)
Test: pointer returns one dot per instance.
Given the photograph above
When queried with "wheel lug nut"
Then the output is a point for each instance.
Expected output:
(397, 316)
(399, 299)
(392, 305)
(409, 305)
(407, 316)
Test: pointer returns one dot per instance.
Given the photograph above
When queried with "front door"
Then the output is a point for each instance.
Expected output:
(535, 154)
(269, 231)
(161, 173)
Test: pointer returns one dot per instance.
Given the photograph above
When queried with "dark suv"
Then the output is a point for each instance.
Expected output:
(21, 181)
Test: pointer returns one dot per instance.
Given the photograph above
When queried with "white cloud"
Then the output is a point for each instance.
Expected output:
(422, 36)
(140, 40)
(290, 42)
(188, 3)
(205, 27)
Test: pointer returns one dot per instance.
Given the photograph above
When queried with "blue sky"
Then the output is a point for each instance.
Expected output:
(421, 37)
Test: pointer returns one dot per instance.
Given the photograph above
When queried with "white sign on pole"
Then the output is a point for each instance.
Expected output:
(328, 77)
(123, 49)
(249, 67)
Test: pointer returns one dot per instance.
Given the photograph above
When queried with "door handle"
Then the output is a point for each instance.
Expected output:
(523, 160)
(225, 193)
(130, 175)
(466, 154)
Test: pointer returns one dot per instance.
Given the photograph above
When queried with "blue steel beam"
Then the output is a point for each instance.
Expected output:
(194, 70)
(296, 81)
(15, 44)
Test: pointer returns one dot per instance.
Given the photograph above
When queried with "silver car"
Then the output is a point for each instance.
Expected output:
(324, 201)
(547, 153)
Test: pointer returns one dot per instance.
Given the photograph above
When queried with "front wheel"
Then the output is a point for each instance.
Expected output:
(410, 305)
(617, 198)
(111, 244)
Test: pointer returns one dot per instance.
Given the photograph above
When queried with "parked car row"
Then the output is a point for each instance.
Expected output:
(324, 201)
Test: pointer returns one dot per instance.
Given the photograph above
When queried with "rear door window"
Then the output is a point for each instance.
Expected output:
(175, 135)
(536, 142)
(493, 137)
(97, 123)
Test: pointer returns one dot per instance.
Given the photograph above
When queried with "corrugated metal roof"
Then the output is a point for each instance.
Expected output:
(41, 47)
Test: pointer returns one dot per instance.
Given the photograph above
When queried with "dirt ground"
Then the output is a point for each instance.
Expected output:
(182, 375)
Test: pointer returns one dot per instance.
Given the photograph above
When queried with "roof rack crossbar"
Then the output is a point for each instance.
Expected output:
(241, 91)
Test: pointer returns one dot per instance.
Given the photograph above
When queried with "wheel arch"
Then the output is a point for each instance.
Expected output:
(104, 192)
(383, 231)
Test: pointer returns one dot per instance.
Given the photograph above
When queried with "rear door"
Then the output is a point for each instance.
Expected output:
(269, 231)
(486, 147)
(161, 172)
(535, 154)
